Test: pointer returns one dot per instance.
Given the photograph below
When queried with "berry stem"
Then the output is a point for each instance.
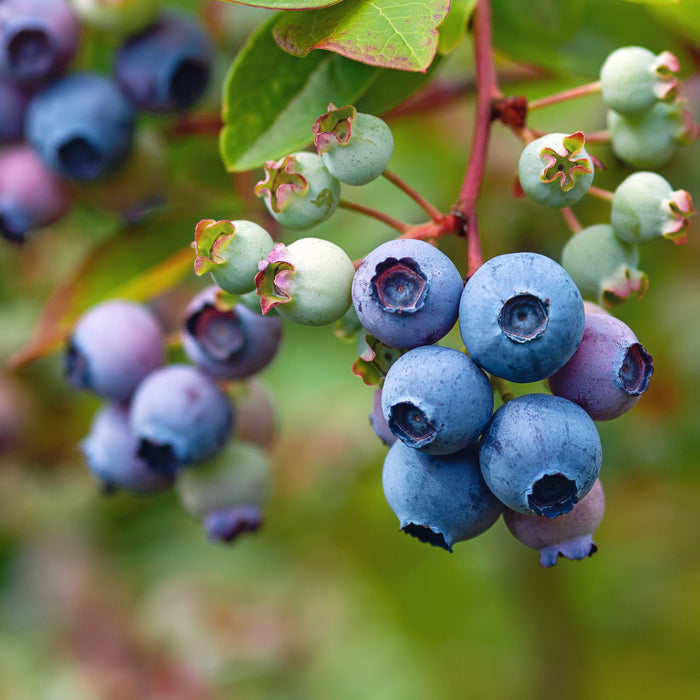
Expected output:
(502, 388)
(598, 136)
(400, 226)
(564, 95)
(571, 221)
(600, 193)
(423, 203)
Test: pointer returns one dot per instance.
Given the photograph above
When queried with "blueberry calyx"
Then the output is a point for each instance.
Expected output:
(218, 332)
(411, 425)
(334, 127)
(636, 370)
(30, 51)
(77, 367)
(399, 286)
(160, 458)
(524, 317)
(282, 183)
(566, 166)
(427, 535)
(228, 524)
(187, 82)
(552, 495)
(80, 157)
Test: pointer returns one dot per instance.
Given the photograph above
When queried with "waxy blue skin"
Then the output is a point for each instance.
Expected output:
(608, 373)
(113, 346)
(402, 325)
(180, 417)
(14, 101)
(378, 422)
(536, 437)
(440, 499)
(38, 39)
(81, 126)
(228, 344)
(165, 67)
(110, 451)
(521, 276)
(445, 391)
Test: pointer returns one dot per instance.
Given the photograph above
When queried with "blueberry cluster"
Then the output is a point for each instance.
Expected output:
(206, 427)
(63, 128)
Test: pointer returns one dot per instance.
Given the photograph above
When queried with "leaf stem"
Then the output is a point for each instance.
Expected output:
(400, 226)
(433, 212)
(564, 95)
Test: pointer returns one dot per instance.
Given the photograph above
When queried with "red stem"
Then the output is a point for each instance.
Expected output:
(573, 93)
(433, 212)
(375, 214)
(571, 221)
(600, 193)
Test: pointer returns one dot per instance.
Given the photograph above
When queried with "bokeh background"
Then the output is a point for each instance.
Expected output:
(123, 597)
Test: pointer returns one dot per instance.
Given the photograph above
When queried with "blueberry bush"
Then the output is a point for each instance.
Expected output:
(349, 348)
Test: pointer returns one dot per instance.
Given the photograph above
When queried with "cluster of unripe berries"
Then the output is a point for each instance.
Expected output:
(63, 128)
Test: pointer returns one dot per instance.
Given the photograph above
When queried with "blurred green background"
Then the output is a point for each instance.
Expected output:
(123, 597)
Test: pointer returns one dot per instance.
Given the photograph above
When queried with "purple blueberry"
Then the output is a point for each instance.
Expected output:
(569, 535)
(111, 453)
(166, 66)
(540, 454)
(436, 399)
(31, 196)
(406, 293)
(609, 371)
(81, 125)
(256, 417)
(38, 39)
(112, 347)
(441, 499)
(14, 100)
(180, 417)
(378, 422)
(225, 342)
(521, 316)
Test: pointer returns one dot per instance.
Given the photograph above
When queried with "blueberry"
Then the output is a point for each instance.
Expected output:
(298, 190)
(439, 499)
(14, 100)
(180, 417)
(110, 451)
(521, 316)
(81, 126)
(38, 39)
(228, 342)
(406, 293)
(436, 399)
(355, 147)
(540, 454)
(31, 196)
(307, 282)
(166, 66)
(609, 371)
(112, 347)
(256, 417)
(603, 266)
(569, 535)
(555, 170)
(378, 422)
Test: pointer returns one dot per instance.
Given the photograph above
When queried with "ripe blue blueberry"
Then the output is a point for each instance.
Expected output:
(31, 196)
(555, 170)
(180, 417)
(439, 499)
(540, 454)
(609, 371)
(406, 293)
(38, 39)
(112, 347)
(355, 147)
(378, 422)
(521, 316)
(14, 100)
(569, 535)
(603, 266)
(228, 342)
(298, 190)
(436, 399)
(81, 125)
(166, 66)
(110, 451)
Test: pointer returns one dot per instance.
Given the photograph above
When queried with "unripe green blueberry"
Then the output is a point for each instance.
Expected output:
(298, 190)
(308, 281)
(355, 147)
(633, 79)
(231, 251)
(117, 16)
(603, 267)
(645, 207)
(649, 141)
(555, 170)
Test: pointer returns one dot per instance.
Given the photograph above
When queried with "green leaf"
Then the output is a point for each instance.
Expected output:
(454, 28)
(287, 4)
(388, 33)
(271, 99)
